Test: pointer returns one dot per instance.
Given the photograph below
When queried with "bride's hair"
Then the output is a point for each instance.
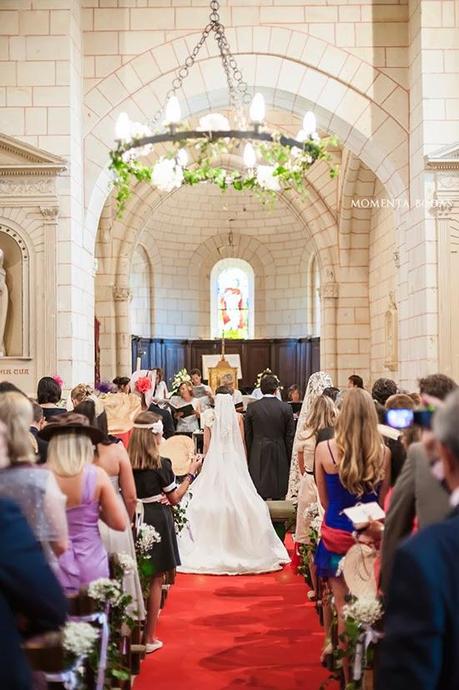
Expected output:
(322, 414)
(359, 443)
(143, 449)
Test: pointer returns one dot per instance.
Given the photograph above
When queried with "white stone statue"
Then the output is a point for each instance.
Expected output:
(3, 304)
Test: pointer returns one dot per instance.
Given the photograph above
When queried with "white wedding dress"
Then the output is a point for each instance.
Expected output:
(229, 529)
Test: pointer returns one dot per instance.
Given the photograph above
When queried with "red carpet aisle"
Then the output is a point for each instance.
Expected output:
(231, 633)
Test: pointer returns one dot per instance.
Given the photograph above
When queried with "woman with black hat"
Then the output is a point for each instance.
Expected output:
(90, 496)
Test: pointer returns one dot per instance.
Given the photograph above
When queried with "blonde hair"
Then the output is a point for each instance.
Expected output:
(17, 414)
(143, 449)
(68, 453)
(322, 414)
(359, 443)
(81, 392)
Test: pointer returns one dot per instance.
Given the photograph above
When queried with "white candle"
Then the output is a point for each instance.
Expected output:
(138, 364)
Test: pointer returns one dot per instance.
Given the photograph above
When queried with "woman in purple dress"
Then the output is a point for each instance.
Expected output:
(90, 497)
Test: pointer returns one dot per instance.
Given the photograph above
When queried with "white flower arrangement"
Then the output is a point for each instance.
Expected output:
(265, 372)
(126, 563)
(147, 538)
(214, 122)
(182, 376)
(316, 524)
(311, 511)
(366, 611)
(105, 590)
(266, 178)
(79, 638)
(167, 175)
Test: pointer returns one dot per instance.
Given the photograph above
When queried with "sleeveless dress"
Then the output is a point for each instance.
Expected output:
(86, 558)
(327, 559)
(118, 542)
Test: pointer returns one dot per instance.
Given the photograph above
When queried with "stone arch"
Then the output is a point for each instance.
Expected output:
(329, 78)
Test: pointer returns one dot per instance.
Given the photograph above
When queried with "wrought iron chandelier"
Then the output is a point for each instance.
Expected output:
(272, 162)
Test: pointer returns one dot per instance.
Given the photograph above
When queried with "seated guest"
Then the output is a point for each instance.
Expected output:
(294, 393)
(49, 393)
(29, 592)
(159, 391)
(383, 389)
(38, 422)
(190, 423)
(34, 488)
(421, 639)
(90, 496)
(416, 496)
(355, 381)
(351, 468)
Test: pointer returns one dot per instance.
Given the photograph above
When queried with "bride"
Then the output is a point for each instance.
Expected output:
(229, 530)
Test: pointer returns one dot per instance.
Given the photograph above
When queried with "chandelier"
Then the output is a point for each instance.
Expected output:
(271, 161)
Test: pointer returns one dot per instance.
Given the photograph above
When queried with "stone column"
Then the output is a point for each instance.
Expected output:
(328, 337)
(122, 297)
(441, 211)
(50, 214)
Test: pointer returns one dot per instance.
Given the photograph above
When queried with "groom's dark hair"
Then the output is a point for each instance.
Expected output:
(269, 384)
(223, 390)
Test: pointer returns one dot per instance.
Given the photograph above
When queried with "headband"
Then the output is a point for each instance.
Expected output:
(156, 427)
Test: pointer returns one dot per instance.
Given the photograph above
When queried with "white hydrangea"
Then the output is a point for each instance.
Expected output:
(126, 562)
(266, 178)
(147, 538)
(316, 524)
(105, 590)
(167, 175)
(79, 638)
(311, 511)
(365, 611)
(214, 122)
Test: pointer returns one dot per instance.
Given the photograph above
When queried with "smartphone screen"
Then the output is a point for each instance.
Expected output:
(400, 419)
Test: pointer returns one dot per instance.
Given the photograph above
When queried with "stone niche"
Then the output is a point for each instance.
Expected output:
(28, 265)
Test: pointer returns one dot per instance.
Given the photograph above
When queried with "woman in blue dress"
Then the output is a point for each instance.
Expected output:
(352, 468)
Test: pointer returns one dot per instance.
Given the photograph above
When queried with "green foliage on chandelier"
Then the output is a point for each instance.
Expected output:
(279, 167)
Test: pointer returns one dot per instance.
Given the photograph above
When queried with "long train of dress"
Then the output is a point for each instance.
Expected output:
(229, 529)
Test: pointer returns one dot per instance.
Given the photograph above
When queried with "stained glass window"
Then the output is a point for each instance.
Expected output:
(232, 299)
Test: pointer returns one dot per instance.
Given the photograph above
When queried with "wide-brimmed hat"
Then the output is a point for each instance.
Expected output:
(359, 571)
(71, 423)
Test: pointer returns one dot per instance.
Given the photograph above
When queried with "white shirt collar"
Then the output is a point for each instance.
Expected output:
(269, 395)
(454, 498)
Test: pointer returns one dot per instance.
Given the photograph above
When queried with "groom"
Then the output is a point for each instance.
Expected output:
(269, 433)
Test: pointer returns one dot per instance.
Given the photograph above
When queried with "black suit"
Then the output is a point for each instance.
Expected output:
(168, 424)
(269, 434)
(421, 641)
(27, 587)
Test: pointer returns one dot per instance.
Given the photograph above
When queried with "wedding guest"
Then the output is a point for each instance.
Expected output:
(38, 422)
(355, 381)
(200, 390)
(160, 391)
(34, 488)
(399, 447)
(29, 592)
(49, 393)
(416, 496)
(351, 468)
(294, 393)
(112, 456)
(90, 496)
(168, 424)
(8, 387)
(154, 478)
(383, 389)
(269, 432)
(332, 392)
(191, 422)
(122, 384)
(421, 637)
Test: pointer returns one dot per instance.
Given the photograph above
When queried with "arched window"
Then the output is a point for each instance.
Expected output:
(232, 299)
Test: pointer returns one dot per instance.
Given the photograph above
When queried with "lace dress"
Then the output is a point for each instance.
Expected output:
(35, 490)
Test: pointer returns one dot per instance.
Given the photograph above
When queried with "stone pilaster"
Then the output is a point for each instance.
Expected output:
(50, 215)
(122, 297)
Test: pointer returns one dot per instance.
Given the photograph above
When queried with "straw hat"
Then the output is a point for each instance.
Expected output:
(359, 571)
(71, 423)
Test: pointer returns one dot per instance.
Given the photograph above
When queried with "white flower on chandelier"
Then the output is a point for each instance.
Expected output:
(214, 122)
(167, 175)
(266, 178)
(139, 130)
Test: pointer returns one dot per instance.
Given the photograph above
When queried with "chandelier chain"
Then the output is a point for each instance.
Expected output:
(237, 87)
